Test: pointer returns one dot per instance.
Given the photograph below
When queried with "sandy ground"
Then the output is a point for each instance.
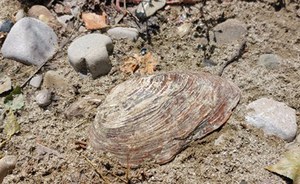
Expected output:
(236, 153)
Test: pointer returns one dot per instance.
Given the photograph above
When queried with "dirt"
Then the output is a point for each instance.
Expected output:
(236, 153)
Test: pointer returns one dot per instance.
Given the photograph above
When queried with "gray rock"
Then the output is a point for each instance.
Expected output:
(36, 81)
(274, 118)
(5, 84)
(30, 41)
(270, 61)
(229, 31)
(54, 80)
(64, 19)
(6, 25)
(90, 53)
(43, 98)
(147, 8)
(122, 32)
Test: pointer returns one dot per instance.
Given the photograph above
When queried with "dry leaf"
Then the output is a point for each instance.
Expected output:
(94, 21)
(288, 166)
(131, 64)
(149, 64)
(11, 126)
(2, 36)
(145, 64)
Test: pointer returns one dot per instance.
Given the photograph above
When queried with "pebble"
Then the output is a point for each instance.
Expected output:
(75, 11)
(19, 15)
(220, 140)
(36, 81)
(274, 118)
(38, 11)
(184, 29)
(123, 32)
(59, 8)
(7, 163)
(147, 8)
(30, 41)
(64, 19)
(270, 61)
(43, 98)
(90, 53)
(54, 80)
(229, 31)
(5, 84)
(298, 139)
(6, 25)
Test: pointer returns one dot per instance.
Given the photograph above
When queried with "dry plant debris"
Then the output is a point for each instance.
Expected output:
(145, 64)
(94, 21)
(288, 166)
(11, 127)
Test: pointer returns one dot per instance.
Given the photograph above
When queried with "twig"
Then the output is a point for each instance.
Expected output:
(96, 170)
(235, 57)
(128, 170)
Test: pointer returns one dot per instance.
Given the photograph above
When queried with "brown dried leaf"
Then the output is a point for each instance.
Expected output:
(288, 166)
(149, 64)
(145, 64)
(2, 36)
(94, 21)
(131, 64)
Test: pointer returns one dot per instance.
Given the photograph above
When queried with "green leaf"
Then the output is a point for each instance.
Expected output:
(11, 126)
(16, 103)
(15, 100)
(17, 90)
(288, 166)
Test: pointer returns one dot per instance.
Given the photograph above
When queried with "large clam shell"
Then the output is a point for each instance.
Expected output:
(155, 117)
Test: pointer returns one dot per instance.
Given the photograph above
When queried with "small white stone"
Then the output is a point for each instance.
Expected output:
(220, 140)
(270, 61)
(274, 118)
(90, 54)
(148, 8)
(5, 84)
(19, 15)
(184, 29)
(43, 98)
(64, 19)
(36, 81)
(123, 32)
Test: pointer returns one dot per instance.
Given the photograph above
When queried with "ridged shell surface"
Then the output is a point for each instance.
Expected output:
(153, 118)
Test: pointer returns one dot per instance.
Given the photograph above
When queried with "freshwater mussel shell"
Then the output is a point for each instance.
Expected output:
(152, 118)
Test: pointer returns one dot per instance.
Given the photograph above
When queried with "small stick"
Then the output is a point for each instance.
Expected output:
(95, 168)
(236, 56)
(128, 170)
